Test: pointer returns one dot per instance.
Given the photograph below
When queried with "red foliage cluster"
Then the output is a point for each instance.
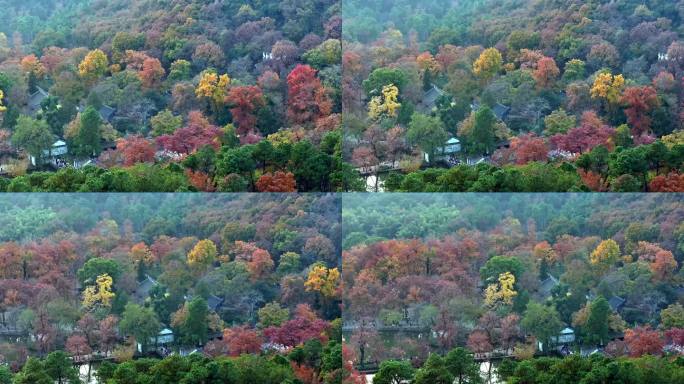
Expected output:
(643, 340)
(523, 149)
(277, 182)
(305, 326)
(196, 134)
(245, 101)
(307, 98)
(594, 181)
(673, 182)
(592, 132)
(675, 336)
(640, 102)
(200, 180)
(242, 340)
(136, 149)
(152, 73)
(546, 73)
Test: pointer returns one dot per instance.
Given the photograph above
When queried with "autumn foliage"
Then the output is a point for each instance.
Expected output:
(152, 73)
(277, 182)
(197, 133)
(672, 182)
(242, 340)
(307, 98)
(640, 102)
(245, 101)
(591, 133)
(136, 149)
(529, 148)
(304, 326)
(547, 72)
(643, 340)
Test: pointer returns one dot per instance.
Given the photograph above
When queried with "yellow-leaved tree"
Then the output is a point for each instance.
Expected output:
(99, 294)
(323, 280)
(213, 87)
(2, 106)
(605, 255)
(385, 104)
(93, 66)
(501, 292)
(488, 64)
(202, 254)
(608, 87)
(675, 138)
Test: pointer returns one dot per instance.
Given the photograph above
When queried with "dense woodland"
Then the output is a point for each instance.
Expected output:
(512, 276)
(194, 95)
(458, 366)
(587, 93)
(247, 282)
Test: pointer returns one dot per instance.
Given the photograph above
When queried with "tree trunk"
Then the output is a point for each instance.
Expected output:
(363, 354)
(489, 371)
(377, 177)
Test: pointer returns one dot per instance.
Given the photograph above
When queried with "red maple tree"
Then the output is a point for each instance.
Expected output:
(643, 340)
(242, 340)
(307, 98)
(673, 182)
(640, 102)
(136, 149)
(196, 134)
(245, 101)
(592, 132)
(277, 182)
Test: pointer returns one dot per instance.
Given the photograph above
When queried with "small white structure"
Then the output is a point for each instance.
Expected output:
(165, 336)
(566, 336)
(57, 150)
(447, 151)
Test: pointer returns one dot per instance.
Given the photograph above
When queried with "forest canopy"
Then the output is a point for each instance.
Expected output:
(483, 96)
(510, 277)
(128, 278)
(206, 96)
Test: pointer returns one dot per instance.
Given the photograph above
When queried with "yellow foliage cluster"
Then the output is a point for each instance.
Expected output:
(502, 291)
(488, 64)
(386, 104)
(605, 254)
(212, 86)
(94, 65)
(203, 253)
(100, 293)
(676, 137)
(285, 137)
(608, 87)
(2, 96)
(323, 280)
